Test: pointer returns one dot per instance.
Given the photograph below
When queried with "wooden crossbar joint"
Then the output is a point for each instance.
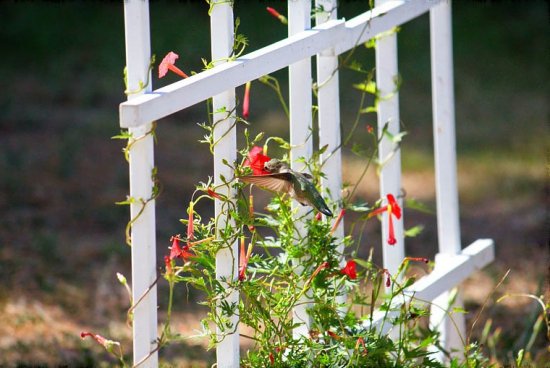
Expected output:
(457, 269)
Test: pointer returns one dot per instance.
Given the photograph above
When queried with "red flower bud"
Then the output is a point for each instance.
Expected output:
(246, 100)
(277, 15)
(213, 194)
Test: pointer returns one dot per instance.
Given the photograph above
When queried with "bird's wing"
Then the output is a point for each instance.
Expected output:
(279, 183)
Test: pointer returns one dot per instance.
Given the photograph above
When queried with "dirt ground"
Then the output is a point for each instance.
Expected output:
(59, 275)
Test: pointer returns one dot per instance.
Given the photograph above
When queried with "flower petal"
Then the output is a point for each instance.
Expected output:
(349, 269)
(256, 160)
(395, 209)
(175, 250)
(391, 235)
(169, 59)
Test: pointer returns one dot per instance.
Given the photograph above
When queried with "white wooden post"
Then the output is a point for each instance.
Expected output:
(448, 226)
(221, 25)
(138, 55)
(388, 113)
(328, 99)
(329, 112)
(300, 101)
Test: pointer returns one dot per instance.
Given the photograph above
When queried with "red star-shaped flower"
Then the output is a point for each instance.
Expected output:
(349, 270)
(393, 210)
(256, 160)
(176, 251)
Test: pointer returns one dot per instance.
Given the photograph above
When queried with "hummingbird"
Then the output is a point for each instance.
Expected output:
(282, 179)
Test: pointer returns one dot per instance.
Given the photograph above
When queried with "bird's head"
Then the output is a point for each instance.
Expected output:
(275, 166)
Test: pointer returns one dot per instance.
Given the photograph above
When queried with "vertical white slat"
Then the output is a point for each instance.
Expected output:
(328, 100)
(388, 112)
(138, 54)
(300, 101)
(448, 226)
(221, 25)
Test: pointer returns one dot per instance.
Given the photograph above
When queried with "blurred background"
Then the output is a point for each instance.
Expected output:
(62, 236)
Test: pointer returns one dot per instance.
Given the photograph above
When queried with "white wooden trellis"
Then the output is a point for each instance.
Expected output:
(329, 38)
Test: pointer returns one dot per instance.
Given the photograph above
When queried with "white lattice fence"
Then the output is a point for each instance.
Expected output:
(329, 38)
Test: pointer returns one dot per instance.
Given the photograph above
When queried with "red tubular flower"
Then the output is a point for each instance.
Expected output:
(338, 220)
(333, 335)
(349, 270)
(271, 359)
(109, 345)
(393, 206)
(213, 194)
(243, 260)
(370, 129)
(256, 160)
(360, 341)
(168, 264)
(100, 339)
(168, 64)
(393, 210)
(176, 251)
(321, 267)
(246, 100)
(277, 15)
(391, 235)
(318, 216)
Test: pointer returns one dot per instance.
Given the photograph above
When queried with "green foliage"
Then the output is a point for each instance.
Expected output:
(293, 261)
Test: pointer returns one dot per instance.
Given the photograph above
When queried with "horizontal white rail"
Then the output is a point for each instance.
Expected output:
(336, 34)
(456, 269)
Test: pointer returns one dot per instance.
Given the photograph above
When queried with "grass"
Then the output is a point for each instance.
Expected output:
(62, 239)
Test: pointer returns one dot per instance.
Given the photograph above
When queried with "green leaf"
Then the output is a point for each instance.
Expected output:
(282, 143)
(360, 208)
(259, 137)
(369, 87)
(519, 359)
(124, 134)
(395, 138)
(355, 66)
(459, 310)
(408, 283)
(128, 201)
(413, 204)
(371, 43)
(363, 263)
(357, 149)
(369, 109)
(414, 231)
